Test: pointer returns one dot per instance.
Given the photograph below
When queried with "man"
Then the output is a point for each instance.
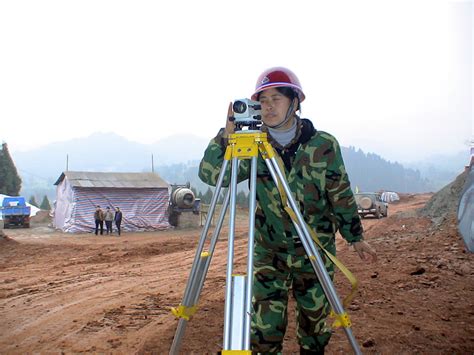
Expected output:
(109, 218)
(99, 220)
(315, 172)
(118, 219)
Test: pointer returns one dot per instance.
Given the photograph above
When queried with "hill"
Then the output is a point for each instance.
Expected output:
(106, 152)
(441, 169)
(176, 159)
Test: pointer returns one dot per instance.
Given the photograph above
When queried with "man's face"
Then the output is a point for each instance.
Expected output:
(274, 106)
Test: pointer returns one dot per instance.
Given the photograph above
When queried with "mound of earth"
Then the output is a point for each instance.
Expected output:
(41, 216)
(445, 202)
(4, 237)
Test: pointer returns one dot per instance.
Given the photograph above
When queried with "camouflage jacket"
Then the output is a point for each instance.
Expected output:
(317, 177)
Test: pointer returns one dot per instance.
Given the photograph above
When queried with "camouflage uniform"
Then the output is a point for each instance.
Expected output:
(316, 175)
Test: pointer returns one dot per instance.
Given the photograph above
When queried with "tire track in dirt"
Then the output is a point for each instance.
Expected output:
(84, 290)
(112, 295)
(95, 294)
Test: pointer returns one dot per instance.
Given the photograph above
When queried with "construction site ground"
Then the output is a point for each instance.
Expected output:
(107, 294)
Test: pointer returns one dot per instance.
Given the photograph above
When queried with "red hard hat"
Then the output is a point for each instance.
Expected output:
(278, 77)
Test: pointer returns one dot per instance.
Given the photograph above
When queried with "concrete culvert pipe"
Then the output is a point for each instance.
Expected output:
(182, 197)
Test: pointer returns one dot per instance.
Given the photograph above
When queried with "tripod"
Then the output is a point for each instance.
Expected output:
(238, 294)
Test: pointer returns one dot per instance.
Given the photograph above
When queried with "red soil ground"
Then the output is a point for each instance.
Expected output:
(82, 293)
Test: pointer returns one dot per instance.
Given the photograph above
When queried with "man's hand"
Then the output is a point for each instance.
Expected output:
(362, 248)
(229, 125)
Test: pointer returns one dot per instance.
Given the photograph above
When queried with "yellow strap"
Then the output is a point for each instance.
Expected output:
(231, 352)
(339, 265)
(183, 311)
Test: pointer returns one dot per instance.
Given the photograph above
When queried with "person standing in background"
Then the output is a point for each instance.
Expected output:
(99, 220)
(109, 218)
(118, 219)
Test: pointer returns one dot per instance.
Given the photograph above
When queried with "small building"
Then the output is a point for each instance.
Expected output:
(143, 199)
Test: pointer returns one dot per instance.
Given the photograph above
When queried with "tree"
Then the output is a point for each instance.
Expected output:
(242, 199)
(45, 204)
(10, 181)
(32, 201)
(220, 201)
(206, 198)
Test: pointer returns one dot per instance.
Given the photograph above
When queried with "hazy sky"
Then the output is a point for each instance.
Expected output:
(393, 78)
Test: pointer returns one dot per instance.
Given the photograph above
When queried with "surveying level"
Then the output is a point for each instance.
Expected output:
(247, 144)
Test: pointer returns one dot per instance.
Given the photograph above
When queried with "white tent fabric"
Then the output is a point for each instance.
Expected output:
(34, 209)
(389, 196)
(143, 209)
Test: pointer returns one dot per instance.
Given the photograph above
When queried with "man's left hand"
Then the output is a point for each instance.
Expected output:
(362, 248)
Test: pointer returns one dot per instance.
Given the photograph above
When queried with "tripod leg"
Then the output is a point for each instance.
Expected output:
(238, 302)
(198, 282)
(230, 256)
(205, 230)
(250, 247)
(310, 248)
(200, 264)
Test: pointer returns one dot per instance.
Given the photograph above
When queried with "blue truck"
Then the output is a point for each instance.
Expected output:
(15, 212)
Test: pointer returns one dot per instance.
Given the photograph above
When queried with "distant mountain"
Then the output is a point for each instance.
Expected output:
(39, 168)
(176, 159)
(180, 148)
(441, 169)
(98, 152)
(367, 171)
(108, 152)
(370, 172)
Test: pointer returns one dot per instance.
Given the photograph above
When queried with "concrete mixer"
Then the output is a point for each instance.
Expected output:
(182, 200)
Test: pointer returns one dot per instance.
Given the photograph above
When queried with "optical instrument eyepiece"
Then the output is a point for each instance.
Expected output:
(239, 106)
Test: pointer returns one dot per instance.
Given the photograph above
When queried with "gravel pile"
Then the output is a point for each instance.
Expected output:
(445, 201)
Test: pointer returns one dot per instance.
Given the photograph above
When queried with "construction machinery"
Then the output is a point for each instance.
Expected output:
(15, 212)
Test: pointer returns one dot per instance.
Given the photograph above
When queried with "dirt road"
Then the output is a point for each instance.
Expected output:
(83, 293)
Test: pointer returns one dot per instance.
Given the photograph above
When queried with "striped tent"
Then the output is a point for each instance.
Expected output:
(143, 199)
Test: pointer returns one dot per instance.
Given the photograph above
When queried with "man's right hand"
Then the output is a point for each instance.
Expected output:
(229, 125)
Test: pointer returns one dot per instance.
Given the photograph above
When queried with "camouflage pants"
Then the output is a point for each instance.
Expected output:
(274, 275)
